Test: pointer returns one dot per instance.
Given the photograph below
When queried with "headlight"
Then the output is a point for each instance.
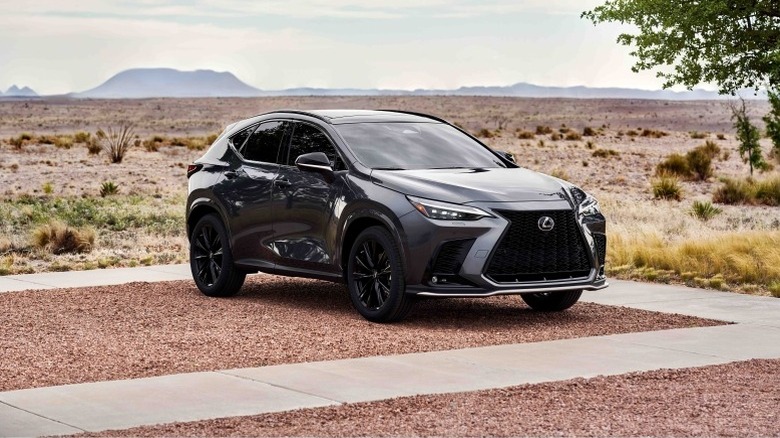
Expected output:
(447, 211)
(586, 205)
(589, 207)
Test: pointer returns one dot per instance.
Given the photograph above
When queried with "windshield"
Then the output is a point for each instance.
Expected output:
(415, 146)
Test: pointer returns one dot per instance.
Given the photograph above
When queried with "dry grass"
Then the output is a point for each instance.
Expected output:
(58, 238)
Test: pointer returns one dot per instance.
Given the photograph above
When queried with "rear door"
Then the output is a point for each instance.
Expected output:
(247, 192)
(305, 204)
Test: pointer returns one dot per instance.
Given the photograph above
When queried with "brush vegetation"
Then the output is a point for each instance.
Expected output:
(748, 191)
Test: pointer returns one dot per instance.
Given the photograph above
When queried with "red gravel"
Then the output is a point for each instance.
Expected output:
(737, 399)
(62, 336)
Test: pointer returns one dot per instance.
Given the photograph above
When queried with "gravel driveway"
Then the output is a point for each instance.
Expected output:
(62, 336)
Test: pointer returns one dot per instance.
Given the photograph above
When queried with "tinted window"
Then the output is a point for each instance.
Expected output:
(306, 139)
(238, 138)
(264, 143)
(415, 146)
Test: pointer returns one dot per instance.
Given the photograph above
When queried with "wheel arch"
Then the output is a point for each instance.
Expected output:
(360, 220)
(201, 207)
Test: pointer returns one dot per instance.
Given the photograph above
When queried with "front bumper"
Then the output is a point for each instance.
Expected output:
(468, 265)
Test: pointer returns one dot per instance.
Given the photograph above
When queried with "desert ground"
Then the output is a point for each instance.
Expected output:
(609, 147)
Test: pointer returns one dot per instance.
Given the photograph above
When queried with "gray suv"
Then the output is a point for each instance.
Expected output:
(397, 205)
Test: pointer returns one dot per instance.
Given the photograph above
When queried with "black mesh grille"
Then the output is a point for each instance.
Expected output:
(527, 253)
(451, 255)
(601, 247)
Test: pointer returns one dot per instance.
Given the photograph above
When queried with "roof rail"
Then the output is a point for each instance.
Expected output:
(294, 111)
(412, 113)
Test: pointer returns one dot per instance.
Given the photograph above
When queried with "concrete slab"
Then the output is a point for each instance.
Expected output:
(8, 284)
(184, 397)
(16, 422)
(732, 342)
(724, 306)
(182, 270)
(97, 277)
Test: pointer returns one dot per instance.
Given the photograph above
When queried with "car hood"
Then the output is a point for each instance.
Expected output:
(471, 185)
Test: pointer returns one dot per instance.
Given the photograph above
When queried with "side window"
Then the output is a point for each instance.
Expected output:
(240, 137)
(307, 138)
(265, 142)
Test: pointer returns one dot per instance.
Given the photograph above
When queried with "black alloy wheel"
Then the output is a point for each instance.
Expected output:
(551, 301)
(211, 261)
(375, 277)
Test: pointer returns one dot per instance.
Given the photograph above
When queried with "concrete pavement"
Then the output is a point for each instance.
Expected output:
(194, 396)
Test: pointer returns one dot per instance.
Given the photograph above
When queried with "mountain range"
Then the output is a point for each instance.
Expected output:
(15, 91)
(167, 82)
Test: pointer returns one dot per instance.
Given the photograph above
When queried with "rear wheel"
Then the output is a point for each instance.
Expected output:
(375, 277)
(552, 301)
(211, 261)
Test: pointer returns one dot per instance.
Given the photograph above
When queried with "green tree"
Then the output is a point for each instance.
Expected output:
(734, 44)
(772, 121)
(748, 136)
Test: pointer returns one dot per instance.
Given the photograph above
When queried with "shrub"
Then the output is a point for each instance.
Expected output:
(485, 133)
(588, 131)
(48, 188)
(710, 148)
(772, 120)
(721, 136)
(605, 153)
(525, 135)
(20, 140)
(63, 141)
(108, 188)
(748, 191)
(560, 174)
(674, 164)
(93, 146)
(667, 187)
(573, 136)
(699, 163)
(151, 145)
(698, 135)
(653, 133)
(543, 130)
(211, 138)
(774, 289)
(632, 133)
(82, 137)
(590, 145)
(116, 142)
(58, 238)
(704, 210)
(555, 136)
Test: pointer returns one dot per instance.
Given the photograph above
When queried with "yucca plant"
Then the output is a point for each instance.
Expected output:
(108, 188)
(704, 210)
(116, 141)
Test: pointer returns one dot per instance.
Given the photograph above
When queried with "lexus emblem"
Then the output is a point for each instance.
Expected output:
(546, 223)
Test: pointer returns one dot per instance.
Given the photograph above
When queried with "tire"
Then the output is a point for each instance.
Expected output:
(552, 301)
(211, 261)
(375, 277)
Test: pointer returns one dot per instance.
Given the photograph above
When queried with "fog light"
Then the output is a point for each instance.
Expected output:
(434, 280)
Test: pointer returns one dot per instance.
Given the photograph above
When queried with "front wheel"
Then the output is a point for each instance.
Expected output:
(552, 301)
(375, 277)
(211, 261)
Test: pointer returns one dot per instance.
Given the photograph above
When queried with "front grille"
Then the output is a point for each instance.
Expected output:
(601, 247)
(527, 253)
(450, 256)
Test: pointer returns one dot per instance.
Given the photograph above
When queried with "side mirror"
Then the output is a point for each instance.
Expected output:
(315, 162)
(507, 155)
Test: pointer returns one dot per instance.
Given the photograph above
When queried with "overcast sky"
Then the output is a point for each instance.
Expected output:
(58, 46)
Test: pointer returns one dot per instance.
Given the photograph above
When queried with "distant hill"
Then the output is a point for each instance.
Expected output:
(15, 91)
(168, 82)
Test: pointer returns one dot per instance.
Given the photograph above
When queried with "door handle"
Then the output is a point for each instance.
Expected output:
(282, 183)
(230, 174)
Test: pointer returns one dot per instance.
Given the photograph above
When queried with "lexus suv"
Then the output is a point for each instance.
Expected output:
(397, 205)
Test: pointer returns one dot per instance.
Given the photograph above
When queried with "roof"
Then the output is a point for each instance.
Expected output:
(344, 116)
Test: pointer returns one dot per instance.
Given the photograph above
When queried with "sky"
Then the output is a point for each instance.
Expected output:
(60, 46)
